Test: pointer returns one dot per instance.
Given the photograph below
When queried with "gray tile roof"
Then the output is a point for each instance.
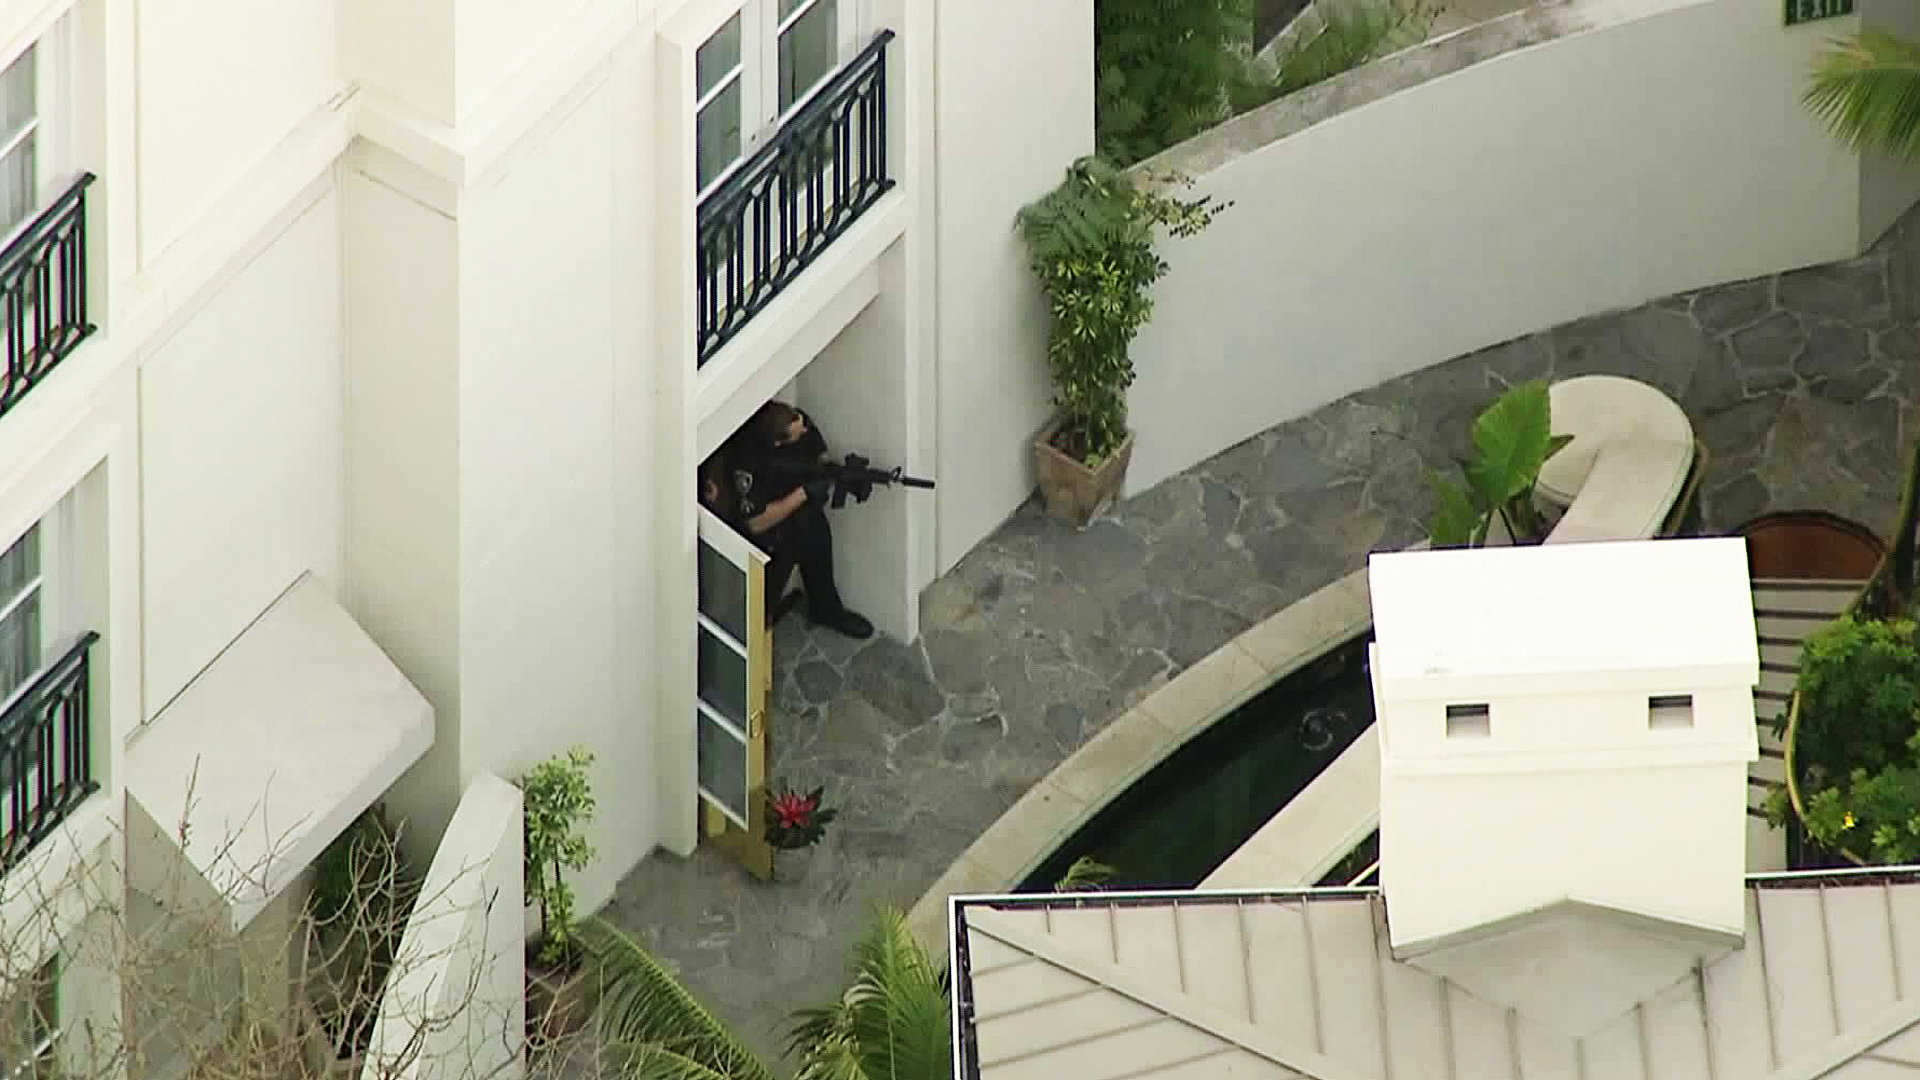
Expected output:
(1303, 985)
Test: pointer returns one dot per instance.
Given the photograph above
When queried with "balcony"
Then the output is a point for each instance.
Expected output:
(43, 293)
(789, 201)
(46, 752)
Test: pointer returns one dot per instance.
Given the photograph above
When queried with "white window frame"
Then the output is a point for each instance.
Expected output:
(52, 125)
(758, 72)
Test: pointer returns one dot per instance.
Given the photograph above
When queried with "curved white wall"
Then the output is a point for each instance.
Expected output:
(1662, 150)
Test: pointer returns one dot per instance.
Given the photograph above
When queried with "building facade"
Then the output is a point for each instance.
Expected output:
(358, 360)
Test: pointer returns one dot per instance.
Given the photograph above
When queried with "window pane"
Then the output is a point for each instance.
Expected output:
(723, 678)
(808, 50)
(17, 185)
(717, 57)
(19, 565)
(19, 644)
(723, 592)
(717, 135)
(17, 105)
(723, 764)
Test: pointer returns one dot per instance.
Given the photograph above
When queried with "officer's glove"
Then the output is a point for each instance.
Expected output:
(819, 491)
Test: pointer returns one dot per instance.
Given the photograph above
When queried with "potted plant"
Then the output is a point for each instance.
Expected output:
(796, 821)
(1851, 731)
(559, 803)
(1091, 243)
(1512, 439)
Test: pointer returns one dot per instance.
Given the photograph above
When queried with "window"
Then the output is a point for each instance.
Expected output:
(1668, 712)
(37, 602)
(1469, 721)
(756, 69)
(32, 1025)
(19, 140)
(22, 644)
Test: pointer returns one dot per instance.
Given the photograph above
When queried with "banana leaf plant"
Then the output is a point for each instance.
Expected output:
(1512, 440)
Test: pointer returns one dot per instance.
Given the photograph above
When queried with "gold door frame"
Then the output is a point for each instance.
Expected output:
(749, 844)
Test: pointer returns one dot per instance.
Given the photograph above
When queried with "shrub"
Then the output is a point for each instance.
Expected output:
(1859, 687)
(1163, 69)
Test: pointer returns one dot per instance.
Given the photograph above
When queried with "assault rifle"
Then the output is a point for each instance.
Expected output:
(854, 477)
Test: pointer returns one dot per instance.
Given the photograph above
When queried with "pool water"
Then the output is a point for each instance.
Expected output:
(1181, 820)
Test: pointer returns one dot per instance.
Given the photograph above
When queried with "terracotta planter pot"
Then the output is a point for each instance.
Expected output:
(1811, 545)
(1069, 490)
(559, 999)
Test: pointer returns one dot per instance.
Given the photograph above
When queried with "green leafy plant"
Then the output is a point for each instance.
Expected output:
(559, 804)
(1091, 242)
(1867, 90)
(1859, 687)
(1512, 440)
(1354, 33)
(1087, 874)
(1874, 815)
(893, 1021)
(1162, 71)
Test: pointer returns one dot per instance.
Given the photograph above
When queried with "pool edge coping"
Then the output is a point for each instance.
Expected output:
(1140, 738)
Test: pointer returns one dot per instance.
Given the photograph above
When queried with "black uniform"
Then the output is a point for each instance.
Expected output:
(761, 476)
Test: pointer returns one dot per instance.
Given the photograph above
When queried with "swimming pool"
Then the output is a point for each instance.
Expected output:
(1180, 821)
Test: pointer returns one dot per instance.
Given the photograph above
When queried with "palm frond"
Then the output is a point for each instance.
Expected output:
(1087, 874)
(1867, 90)
(645, 1062)
(1353, 35)
(893, 1021)
(656, 1022)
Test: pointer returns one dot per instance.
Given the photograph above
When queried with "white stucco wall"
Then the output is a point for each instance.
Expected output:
(1887, 185)
(221, 82)
(1457, 852)
(1001, 143)
(402, 459)
(1523, 192)
(540, 485)
(460, 971)
(241, 423)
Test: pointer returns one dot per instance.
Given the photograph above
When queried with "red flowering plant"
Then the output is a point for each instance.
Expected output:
(796, 821)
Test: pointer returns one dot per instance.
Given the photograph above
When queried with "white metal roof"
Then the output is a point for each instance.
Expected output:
(1302, 986)
(1564, 609)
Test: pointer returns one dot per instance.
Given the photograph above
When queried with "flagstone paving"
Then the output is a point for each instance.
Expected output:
(1803, 388)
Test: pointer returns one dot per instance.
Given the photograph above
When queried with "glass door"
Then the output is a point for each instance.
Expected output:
(734, 677)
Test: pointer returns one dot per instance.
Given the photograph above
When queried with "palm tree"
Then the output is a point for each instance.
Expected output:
(893, 1021)
(653, 1026)
(1867, 89)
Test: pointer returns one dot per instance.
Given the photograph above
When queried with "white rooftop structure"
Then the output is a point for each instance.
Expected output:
(1565, 734)
(1559, 617)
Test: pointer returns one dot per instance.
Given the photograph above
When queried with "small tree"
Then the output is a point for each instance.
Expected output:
(156, 979)
(1162, 70)
(1091, 242)
(559, 804)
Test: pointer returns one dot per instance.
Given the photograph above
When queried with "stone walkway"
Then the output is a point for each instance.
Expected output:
(1802, 387)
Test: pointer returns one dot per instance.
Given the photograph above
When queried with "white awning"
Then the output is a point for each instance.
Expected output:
(291, 733)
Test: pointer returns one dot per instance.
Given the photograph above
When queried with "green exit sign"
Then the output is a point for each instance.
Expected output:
(1806, 11)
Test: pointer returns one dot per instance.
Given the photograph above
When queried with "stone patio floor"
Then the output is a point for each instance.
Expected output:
(1802, 387)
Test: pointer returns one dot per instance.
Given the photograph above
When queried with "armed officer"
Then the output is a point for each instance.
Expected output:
(785, 513)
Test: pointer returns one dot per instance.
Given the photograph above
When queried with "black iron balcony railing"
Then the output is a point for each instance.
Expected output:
(785, 204)
(43, 293)
(46, 752)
